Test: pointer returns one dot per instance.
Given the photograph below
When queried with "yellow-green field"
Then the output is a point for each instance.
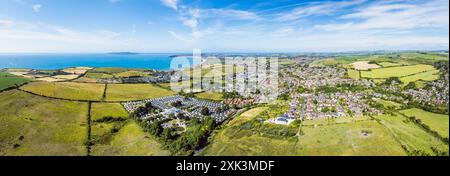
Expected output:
(331, 121)
(131, 140)
(128, 92)
(363, 138)
(389, 64)
(354, 74)
(215, 96)
(110, 70)
(101, 110)
(67, 90)
(389, 104)
(98, 75)
(411, 136)
(347, 137)
(131, 73)
(8, 80)
(247, 116)
(437, 122)
(48, 126)
(425, 76)
(396, 71)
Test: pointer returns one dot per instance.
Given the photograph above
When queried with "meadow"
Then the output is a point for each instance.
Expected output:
(101, 110)
(109, 70)
(394, 71)
(129, 92)
(32, 125)
(67, 90)
(8, 80)
(436, 122)
(424, 76)
(414, 139)
(131, 140)
(354, 74)
(349, 136)
(363, 138)
(214, 96)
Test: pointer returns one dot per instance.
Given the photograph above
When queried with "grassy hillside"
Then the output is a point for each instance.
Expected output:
(436, 122)
(32, 125)
(67, 90)
(131, 140)
(127, 92)
(8, 80)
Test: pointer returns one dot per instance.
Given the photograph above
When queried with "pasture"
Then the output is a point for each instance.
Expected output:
(32, 125)
(364, 65)
(128, 92)
(8, 80)
(214, 96)
(354, 74)
(67, 90)
(101, 110)
(424, 76)
(397, 71)
(109, 70)
(436, 122)
(363, 138)
(389, 64)
(131, 140)
(410, 136)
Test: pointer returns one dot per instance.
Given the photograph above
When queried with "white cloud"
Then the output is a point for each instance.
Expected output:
(322, 8)
(37, 31)
(170, 3)
(432, 14)
(36, 7)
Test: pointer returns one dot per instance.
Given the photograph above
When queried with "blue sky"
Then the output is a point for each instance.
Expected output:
(222, 25)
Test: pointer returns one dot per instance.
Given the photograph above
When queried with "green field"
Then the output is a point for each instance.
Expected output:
(110, 70)
(101, 110)
(131, 140)
(215, 96)
(331, 121)
(354, 74)
(48, 126)
(396, 71)
(425, 76)
(98, 75)
(131, 73)
(364, 138)
(342, 137)
(389, 64)
(411, 136)
(67, 90)
(388, 104)
(128, 92)
(7, 81)
(437, 122)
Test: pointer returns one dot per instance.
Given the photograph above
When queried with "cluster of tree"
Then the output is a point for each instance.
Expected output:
(177, 104)
(277, 130)
(222, 109)
(441, 65)
(427, 128)
(148, 108)
(194, 138)
(108, 119)
(284, 96)
(186, 95)
(205, 111)
(390, 80)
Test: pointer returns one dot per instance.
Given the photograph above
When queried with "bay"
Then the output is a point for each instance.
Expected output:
(59, 61)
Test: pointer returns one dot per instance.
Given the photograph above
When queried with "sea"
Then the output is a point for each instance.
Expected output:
(59, 61)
